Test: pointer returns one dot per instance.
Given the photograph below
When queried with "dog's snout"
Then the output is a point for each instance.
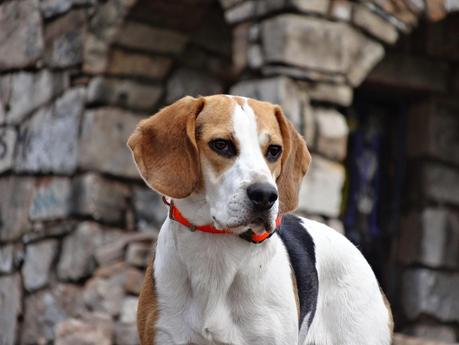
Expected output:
(262, 195)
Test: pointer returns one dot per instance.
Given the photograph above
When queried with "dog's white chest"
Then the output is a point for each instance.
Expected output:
(224, 292)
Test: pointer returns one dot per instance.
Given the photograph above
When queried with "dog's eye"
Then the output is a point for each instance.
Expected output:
(223, 147)
(273, 152)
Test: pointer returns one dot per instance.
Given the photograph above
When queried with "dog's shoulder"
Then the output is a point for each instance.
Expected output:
(301, 250)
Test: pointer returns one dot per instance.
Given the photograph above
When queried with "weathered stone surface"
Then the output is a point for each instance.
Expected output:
(100, 199)
(41, 230)
(339, 94)
(132, 64)
(125, 93)
(401, 339)
(104, 295)
(339, 48)
(320, 192)
(433, 131)
(134, 281)
(139, 254)
(332, 132)
(303, 74)
(144, 37)
(21, 40)
(95, 330)
(429, 292)
(439, 183)
(126, 334)
(149, 208)
(374, 24)
(121, 273)
(78, 259)
(8, 137)
(24, 92)
(45, 308)
(411, 72)
(51, 199)
(64, 40)
(185, 81)
(15, 202)
(280, 90)
(433, 332)
(10, 307)
(51, 8)
(103, 141)
(246, 10)
(431, 238)
(6, 258)
(340, 9)
(48, 142)
(37, 264)
(311, 6)
(129, 309)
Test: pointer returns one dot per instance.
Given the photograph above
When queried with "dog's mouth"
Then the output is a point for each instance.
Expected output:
(259, 225)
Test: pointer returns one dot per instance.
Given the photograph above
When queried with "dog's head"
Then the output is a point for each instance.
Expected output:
(243, 155)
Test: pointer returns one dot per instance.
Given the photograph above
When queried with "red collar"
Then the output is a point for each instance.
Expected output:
(249, 235)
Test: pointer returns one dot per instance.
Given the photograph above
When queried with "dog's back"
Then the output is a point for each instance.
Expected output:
(340, 301)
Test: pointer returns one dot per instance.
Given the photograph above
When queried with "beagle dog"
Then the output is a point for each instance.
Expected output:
(231, 265)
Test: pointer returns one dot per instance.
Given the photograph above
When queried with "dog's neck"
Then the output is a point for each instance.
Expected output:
(195, 208)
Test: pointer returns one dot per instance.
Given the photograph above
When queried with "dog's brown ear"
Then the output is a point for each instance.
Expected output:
(295, 163)
(165, 151)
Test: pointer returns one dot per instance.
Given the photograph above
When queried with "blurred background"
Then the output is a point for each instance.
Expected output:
(372, 85)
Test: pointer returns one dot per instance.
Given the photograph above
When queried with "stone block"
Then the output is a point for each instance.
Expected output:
(139, 254)
(302, 74)
(8, 137)
(129, 310)
(433, 127)
(100, 199)
(401, 339)
(185, 81)
(126, 333)
(340, 9)
(24, 92)
(311, 6)
(46, 308)
(332, 132)
(49, 140)
(430, 292)
(37, 264)
(130, 64)
(149, 208)
(430, 238)
(339, 48)
(77, 260)
(10, 307)
(95, 330)
(64, 40)
(148, 38)
(21, 35)
(438, 183)
(277, 90)
(244, 11)
(51, 199)
(320, 191)
(15, 203)
(42, 230)
(104, 295)
(6, 258)
(124, 93)
(438, 333)
(374, 24)
(339, 94)
(103, 142)
(52, 8)
(411, 72)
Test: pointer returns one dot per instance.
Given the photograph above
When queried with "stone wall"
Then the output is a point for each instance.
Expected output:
(76, 222)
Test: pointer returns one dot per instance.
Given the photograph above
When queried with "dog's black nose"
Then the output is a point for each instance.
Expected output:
(262, 195)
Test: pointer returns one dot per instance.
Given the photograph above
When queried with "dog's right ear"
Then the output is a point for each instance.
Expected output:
(165, 151)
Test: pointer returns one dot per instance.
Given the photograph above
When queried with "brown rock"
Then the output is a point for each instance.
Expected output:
(96, 330)
(21, 35)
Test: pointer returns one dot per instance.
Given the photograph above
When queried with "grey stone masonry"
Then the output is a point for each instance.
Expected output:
(8, 137)
(51, 199)
(430, 238)
(10, 307)
(49, 140)
(103, 141)
(433, 293)
(37, 264)
(21, 38)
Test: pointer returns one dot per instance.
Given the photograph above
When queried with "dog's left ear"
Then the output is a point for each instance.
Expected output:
(165, 151)
(295, 163)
